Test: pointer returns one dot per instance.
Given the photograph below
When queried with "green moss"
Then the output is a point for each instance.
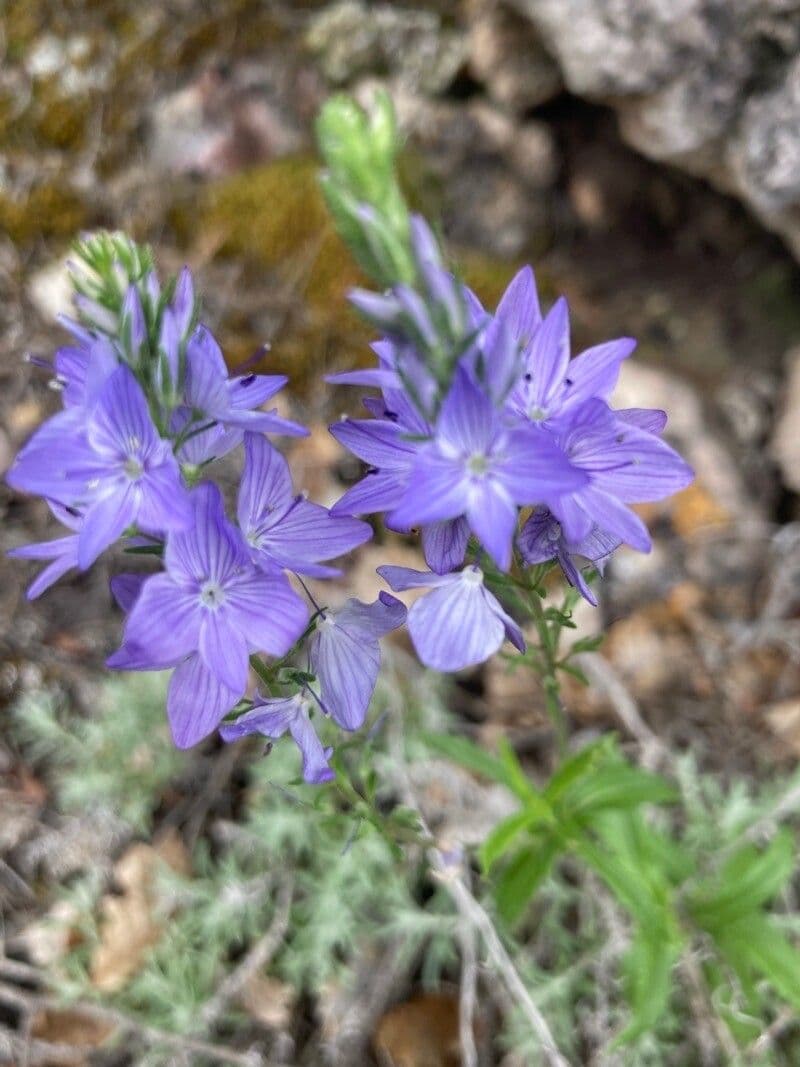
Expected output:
(49, 210)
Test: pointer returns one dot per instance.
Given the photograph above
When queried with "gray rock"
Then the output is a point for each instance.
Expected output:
(785, 444)
(710, 86)
(352, 39)
(507, 56)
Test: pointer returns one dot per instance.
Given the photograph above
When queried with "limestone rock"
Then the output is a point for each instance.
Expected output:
(711, 87)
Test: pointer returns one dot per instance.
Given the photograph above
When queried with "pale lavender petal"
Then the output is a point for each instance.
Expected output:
(266, 610)
(223, 649)
(162, 628)
(373, 377)
(347, 668)
(380, 444)
(519, 306)
(104, 522)
(212, 548)
(467, 419)
(492, 516)
(438, 488)
(377, 491)
(206, 374)
(307, 533)
(400, 578)
(125, 589)
(63, 551)
(534, 468)
(617, 520)
(120, 423)
(196, 702)
(252, 390)
(164, 503)
(651, 420)
(271, 718)
(594, 373)
(183, 301)
(455, 626)
(315, 758)
(266, 482)
(445, 543)
(548, 356)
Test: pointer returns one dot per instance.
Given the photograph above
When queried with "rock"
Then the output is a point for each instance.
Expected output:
(785, 444)
(711, 88)
(688, 429)
(50, 291)
(352, 39)
(225, 120)
(506, 54)
(488, 166)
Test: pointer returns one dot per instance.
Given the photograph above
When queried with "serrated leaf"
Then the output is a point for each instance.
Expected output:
(522, 876)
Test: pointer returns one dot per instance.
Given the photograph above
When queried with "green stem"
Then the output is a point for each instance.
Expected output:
(548, 644)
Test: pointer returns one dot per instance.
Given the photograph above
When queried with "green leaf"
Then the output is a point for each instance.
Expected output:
(748, 880)
(630, 885)
(648, 979)
(756, 942)
(617, 786)
(576, 766)
(505, 833)
(522, 876)
(466, 753)
(586, 644)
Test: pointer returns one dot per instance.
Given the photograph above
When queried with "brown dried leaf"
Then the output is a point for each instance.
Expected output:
(268, 1001)
(422, 1032)
(69, 1026)
(130, 925)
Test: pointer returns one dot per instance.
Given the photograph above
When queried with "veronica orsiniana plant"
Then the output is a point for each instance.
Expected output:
(484, 436)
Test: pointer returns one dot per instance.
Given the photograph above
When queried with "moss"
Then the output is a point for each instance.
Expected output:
(49, 210)
(61, 121)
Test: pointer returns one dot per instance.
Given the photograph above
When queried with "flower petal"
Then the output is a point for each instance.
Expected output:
(163, 626)
(445, 543)
(196, 702)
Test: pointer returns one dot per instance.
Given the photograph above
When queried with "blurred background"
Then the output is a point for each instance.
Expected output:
(645, 157)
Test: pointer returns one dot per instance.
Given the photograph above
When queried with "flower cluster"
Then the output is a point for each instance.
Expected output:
(148, 404)
(498, 446)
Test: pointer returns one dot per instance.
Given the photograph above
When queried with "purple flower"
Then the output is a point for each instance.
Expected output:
(624, 465)
(273, 718)
(542, 539)
(519, 308)
(384, 446)
(210, 392)
(82, 370)
(459, 623)
(111, 464)
(284, 529)
(63, 551)
(478, 467)
(345, 655)
(204, 615)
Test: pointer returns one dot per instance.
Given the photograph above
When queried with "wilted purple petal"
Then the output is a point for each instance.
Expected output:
(273, 718)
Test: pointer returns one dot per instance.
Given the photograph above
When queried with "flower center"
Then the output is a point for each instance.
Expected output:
(537, 414)
(472, 575)
(212, 595)
(478, 464)
(134, 468)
